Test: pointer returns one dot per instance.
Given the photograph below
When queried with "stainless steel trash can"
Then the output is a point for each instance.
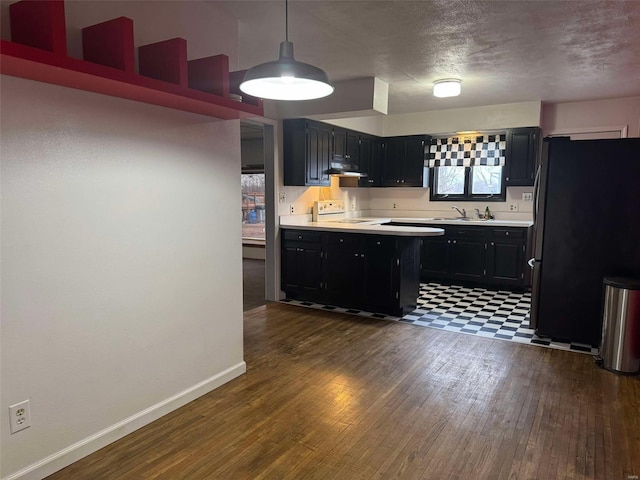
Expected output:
(620, 343)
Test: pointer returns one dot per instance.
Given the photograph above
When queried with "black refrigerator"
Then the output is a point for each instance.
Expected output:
(587, 226)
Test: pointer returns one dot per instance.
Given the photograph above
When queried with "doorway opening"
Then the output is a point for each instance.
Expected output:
(253, 210)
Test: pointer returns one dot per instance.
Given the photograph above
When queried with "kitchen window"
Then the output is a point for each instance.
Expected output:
(467, 183)
(467, 168)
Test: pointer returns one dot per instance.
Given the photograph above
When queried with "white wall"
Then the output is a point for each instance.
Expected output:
(121, 265)
(596, 114)
(491, 117)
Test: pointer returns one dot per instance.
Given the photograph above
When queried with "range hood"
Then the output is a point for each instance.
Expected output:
(345, 169)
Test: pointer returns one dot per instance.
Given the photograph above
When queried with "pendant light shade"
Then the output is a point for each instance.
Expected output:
(286, 78)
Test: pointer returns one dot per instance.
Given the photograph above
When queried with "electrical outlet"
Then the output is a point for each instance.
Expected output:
(353, 206)
(291, 209)
(527, 197)
(283, 197)
(20, 416)
(395, 205)
(513, 207)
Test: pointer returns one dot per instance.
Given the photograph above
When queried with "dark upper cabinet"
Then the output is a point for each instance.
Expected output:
(308, 149)
(403, 163)
(346, 145)
(370, 161)
(521, 158)
(394, 159)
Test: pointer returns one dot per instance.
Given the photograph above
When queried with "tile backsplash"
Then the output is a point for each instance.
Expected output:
(398, 201)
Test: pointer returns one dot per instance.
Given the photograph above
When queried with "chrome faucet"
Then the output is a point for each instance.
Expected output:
(478, 213)
(462, 212)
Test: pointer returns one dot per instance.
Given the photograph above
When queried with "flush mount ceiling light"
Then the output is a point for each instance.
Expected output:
(449, 87)
(286, 78)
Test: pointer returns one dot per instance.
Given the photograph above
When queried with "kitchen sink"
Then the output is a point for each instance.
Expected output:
(459, 219)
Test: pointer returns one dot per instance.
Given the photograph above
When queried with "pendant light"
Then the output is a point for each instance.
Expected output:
(286, 78)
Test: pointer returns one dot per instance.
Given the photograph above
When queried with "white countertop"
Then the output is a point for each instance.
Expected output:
(453, 221)
(374, 225)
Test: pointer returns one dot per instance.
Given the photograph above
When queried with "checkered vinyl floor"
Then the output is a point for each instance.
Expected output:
(496, 314)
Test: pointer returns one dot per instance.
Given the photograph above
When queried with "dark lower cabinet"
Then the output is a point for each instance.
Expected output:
(467, 259)
(506, 256)
(302, 264)
(381, 269)
(434, 257)
(483, 256)
(377, 273)
(343, 269)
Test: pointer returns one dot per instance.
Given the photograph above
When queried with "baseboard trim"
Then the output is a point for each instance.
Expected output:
(75, 452)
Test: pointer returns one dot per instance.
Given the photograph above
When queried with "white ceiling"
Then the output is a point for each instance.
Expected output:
(504, 51)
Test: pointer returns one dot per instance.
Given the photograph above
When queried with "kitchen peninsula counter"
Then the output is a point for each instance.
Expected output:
(369, 226)
(365, 266)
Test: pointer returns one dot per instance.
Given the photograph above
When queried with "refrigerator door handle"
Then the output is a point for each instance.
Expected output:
(535, 293)
(536, 191)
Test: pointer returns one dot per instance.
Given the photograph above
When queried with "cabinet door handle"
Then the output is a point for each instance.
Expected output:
(362, 255)
(448, 241)
(377, 243)
(454, 241)
(341, 240)
(492, 244)
(506, 233)
(355, 254)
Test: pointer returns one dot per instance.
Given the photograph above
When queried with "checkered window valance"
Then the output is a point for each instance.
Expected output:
(468, 151)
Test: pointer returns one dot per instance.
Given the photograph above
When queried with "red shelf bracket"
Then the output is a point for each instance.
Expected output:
(210, 74)
(110, 43)
(165, 61)
(39, 24)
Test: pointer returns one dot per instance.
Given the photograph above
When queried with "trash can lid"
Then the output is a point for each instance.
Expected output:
(623, 282)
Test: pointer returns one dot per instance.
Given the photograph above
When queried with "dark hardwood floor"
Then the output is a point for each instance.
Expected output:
(328, 396)
(253, 289)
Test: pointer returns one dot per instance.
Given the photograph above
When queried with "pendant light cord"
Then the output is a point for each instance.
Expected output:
(286, 20)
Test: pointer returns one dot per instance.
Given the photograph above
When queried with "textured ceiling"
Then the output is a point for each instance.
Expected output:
(504, 51)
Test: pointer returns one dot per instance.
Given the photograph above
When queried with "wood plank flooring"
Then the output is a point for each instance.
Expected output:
(329, 396)
(253, 284)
